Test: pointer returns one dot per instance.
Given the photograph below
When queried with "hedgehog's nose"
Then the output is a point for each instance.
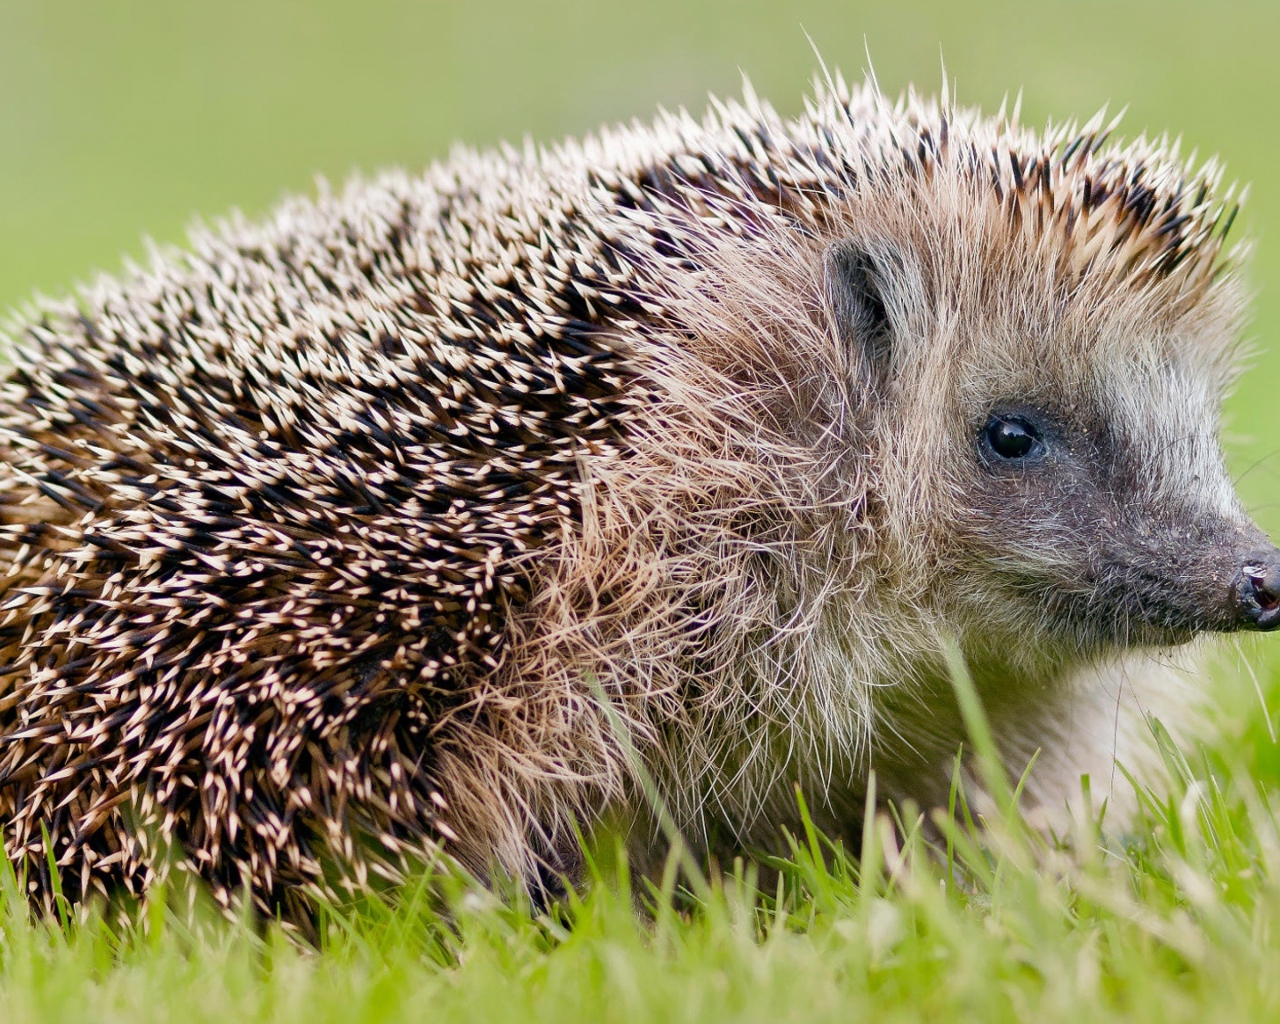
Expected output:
(1257, 589)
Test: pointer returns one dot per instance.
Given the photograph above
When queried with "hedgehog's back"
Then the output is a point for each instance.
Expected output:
(264, 509)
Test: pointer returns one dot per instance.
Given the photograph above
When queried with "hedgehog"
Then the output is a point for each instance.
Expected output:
(454, 515)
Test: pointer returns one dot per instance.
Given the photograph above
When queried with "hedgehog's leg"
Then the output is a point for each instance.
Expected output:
(1098, 725)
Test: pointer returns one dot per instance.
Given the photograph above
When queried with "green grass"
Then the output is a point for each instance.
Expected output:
(1175, 921)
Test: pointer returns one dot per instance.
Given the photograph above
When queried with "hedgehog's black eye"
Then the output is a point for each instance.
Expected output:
(1012, 437)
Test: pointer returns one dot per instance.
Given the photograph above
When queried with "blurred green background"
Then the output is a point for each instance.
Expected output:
(127, 119)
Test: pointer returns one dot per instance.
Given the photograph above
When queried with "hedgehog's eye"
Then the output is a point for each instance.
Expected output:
(1012, 437)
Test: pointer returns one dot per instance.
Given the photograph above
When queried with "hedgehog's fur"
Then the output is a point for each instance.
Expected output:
(324, 539)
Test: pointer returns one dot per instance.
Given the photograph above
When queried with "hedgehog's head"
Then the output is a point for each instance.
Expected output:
(1049, 345)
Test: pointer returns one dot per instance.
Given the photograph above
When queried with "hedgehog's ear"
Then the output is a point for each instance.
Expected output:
(856, 287)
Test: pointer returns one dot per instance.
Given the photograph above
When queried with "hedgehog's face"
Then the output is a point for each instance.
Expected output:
(1098, 509)
(1061, 473)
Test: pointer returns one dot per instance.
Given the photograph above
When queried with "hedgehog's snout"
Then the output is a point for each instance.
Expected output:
(1257, 590)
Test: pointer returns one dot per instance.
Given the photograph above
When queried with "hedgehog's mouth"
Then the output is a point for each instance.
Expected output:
(1120, 617)
(1164, 602)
